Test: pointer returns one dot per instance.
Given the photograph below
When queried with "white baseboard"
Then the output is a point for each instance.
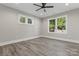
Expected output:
(68, 40)
(18, 40)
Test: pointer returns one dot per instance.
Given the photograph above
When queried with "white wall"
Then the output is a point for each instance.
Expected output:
(10, 29)
(72, 26)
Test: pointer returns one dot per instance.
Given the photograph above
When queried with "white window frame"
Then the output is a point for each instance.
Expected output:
(31, 19)
(56, 25)
(19, 15)
(48, 25)
(19, 19)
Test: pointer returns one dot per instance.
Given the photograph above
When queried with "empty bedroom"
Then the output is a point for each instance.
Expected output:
(39, 29)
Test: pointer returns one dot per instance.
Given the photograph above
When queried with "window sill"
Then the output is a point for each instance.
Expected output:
(58, 32)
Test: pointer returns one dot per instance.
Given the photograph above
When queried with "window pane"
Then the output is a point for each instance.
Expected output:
(61, 24)
(29, 21)
(52, 25)
(22, 19)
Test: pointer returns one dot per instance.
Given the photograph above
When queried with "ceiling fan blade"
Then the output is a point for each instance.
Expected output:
(44, 10)
(49, 6)
(37, 5)
(38, 9)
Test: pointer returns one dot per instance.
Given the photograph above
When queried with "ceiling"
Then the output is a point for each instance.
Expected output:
(30, 8)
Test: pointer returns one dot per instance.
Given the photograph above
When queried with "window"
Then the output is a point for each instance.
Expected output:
(52, 25)
(29, 21)
(22, 19)
(58, 25)
(61, 24)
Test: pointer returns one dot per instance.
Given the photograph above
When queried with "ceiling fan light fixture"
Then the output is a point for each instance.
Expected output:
(66, 4)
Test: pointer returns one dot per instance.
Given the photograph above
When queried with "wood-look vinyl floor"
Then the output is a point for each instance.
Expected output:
(40, 47)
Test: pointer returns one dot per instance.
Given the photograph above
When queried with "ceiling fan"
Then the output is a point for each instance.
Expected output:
(43, 6)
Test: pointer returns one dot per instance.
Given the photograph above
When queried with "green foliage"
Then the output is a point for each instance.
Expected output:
(52, 25)
(61, 23)
(22, 19)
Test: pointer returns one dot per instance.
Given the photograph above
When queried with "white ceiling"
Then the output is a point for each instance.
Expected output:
(30, 8)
